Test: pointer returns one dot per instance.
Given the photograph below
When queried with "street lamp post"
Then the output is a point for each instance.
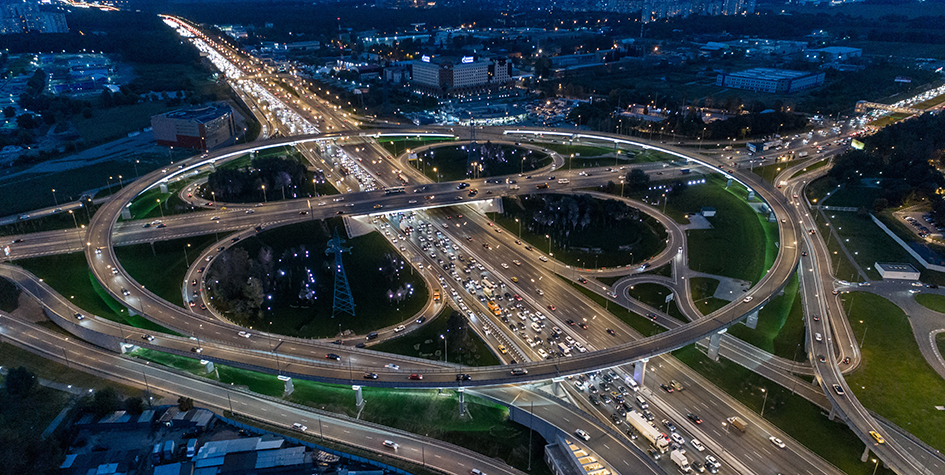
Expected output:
(549, 244)
(765, 391)
(161, 208)
(73, 219)
(264, 194)
(55, 200)
(875, 461)
(186, 259)
(519, 227)
(445, 349)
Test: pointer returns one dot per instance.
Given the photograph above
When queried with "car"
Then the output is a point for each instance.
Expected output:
(98, 250)
(748, 299)
(822, 358)
(677, 438)
(666, 388)
(552, 308)
(669, 425)
(694, 418)
(193, 283)
(147, 337)
(299, 427)
(415, 376)
(583, 326)
(463, 377)
(837, 389)
(879, 439)
(399, 328)
(611, 332)
(846, 360)
(697, 466)
(777, 442)
(333, 356)
(542, 258)
(616, 419)
(476, 471)
(370, 376)
(197, 350)
(250, 211)
(215, 218)
(818, 337)
(582, 434)
(125, 292)
(648, 415)
(79, 316)
(200, 270)
(697, 445)
(816, 318)
(570, 322)
(244, 334)
(392, 366)
(391, 444)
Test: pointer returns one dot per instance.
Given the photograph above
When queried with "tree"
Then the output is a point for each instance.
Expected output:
(26, 121)
(134, 405)
(20, 382)
(104, 401)
(9, 112)
(185, 403)
(638, 179)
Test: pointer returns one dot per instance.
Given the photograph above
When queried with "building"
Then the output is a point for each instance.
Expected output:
(780, 81)
(203, 128)
(652, 10)
(449, 77)
(20, 17)
(892, 270)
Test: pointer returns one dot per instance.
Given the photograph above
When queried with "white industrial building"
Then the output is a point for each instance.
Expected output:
(892, 270)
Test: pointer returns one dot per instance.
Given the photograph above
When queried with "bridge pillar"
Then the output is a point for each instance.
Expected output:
(163, 187)
(639, 371)
(289, 387)
(359, 398)
(833, 414)
(752, 320)
(462, 402)
(125, 213)
(729, 183)
(556, 385)
(208, 365)
(866, 454)
(751, 195)
(714, 342)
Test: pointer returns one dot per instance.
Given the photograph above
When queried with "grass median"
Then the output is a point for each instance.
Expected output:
(894, 379)
(931, 301)
(638, 322)
(655, 296)
(703, 291)
(799, 418)
(426, 342)
(780, 329)
(161, 266)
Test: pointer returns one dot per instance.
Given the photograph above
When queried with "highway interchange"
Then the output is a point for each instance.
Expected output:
(304, 358)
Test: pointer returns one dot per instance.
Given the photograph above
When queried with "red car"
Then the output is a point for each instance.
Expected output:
(415, 376)
(583, 326)
(552, 308)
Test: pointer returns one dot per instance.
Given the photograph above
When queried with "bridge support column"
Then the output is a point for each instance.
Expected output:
(729, 183)
(751, 195)
(556, 385)
(866, 454)
(714, 342)
(359, 398)
(833, 414)
(462, 402)
(639, 371)
(125, 213)
(208, 365)
(752, 320)
(289, 387)
(163, 187)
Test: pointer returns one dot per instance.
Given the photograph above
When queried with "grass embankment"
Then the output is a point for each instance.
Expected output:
(931, 301)
(426, 343)
(297, 255)
(399, 145)
(609, 280)
(655, 295)
(703, 291)
(638, 322)
(799, 418)
(602, 243)
(813, 166)
(161, 266)
(13, 357)
(116, 122)
(940, 343)
(487, 431)
(9, 296)
(866, 241)
(780, 329)
(770, 172)
(450, 162)
(69, 275)
(153, 204)
(904, 388)
(741, 243)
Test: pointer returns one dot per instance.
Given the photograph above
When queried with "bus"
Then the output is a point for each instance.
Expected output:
(394, 190)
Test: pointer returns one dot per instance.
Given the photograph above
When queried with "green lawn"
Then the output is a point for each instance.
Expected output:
(398, 145)
(116, 122)
(811, 167)
(146, 205)
(769, 172)
(930, 103)
(426, 343)
(69, 275)
(638, 322)
(161, 267)
(843, 268)
(799, 418)
(854, 197)
(940, 343)
(654, 295)
(610, 280)
(9, 296)
(817, 189)
(703, 289)
(931, 301)
(299, 249)
(903, 389)
(13, 357)
(620, 242)
(867, 242)
(450, 162)
(780, 328)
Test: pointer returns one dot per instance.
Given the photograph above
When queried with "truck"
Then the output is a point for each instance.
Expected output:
(168, 449)
(563, 181)
(494, 308)
(564, 349)
(648, 432)
(541, 186)
(738, 423)
(802, 154)
(679, 458)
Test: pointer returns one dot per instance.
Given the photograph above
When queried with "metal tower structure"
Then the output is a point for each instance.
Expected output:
(343, 300)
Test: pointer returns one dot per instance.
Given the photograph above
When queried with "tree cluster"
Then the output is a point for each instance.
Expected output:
(246, 184)
(241, 283)
(559, 216)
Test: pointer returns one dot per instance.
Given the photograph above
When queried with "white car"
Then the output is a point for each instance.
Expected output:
(582, 434)
(391, 444)
(818, 337)
(392, 366)
(244, 334)
(777, 442)
(399, 328)
(542, 353)
(505, 266)
(697, 445)
(677, 438)
(299, 427)
(748, 299)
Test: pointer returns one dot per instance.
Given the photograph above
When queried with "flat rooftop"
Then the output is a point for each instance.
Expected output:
(201, 114)
(769, 74)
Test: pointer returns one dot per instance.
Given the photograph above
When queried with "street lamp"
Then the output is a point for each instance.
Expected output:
(549, 244)
(445, 349)
(55, 200)
(875, 461)
(765, 391)
(264, 194)
(73, 219)
(159, 207)
(186, 259)
(437, 175)
(519, 227)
